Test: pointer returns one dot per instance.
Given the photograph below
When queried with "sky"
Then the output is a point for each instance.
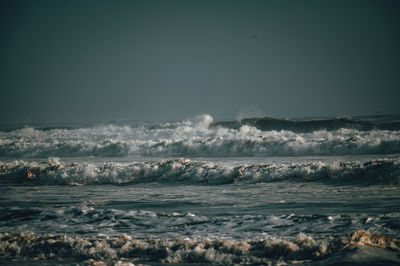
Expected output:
(172, 60)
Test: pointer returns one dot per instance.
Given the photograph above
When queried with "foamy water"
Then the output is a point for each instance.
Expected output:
(197, 191)
(193, 138)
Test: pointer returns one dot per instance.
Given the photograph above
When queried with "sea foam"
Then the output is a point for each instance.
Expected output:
(194, 138)
(56, 171)
(269, 250)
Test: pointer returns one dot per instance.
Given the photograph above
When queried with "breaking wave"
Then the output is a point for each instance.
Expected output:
(199, 137)
(56, 171)
(302, 248)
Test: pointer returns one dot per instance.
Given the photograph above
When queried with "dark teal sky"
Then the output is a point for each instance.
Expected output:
(170, 60)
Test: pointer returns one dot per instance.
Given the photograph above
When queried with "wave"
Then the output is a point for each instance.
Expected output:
(55, 171)
(194, 138)
(302, 248)
(305, 126)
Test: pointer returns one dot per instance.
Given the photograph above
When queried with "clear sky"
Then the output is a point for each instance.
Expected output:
(170, 60)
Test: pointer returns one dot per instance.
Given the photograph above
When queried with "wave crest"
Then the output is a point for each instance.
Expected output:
(55, 171)
(300, 249)
(193, 140)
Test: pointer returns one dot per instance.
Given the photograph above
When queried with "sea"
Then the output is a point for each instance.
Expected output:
(256, 191)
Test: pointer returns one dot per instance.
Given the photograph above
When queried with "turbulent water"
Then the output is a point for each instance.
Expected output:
(256, 191)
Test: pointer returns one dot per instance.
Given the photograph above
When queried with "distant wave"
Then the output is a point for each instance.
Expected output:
(55, 171)
(301, 249)
(199, 137)
(306, 126)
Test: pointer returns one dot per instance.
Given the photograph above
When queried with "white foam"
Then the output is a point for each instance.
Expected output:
(303, 248)
(56, 171)
(193, 138)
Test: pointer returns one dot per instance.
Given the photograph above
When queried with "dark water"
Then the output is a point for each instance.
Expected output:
(187, 192)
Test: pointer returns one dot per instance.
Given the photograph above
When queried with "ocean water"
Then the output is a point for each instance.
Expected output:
(258, 191)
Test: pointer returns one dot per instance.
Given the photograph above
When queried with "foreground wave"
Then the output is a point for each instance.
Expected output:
(302, 248)
(56, 171)
(201, 137)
